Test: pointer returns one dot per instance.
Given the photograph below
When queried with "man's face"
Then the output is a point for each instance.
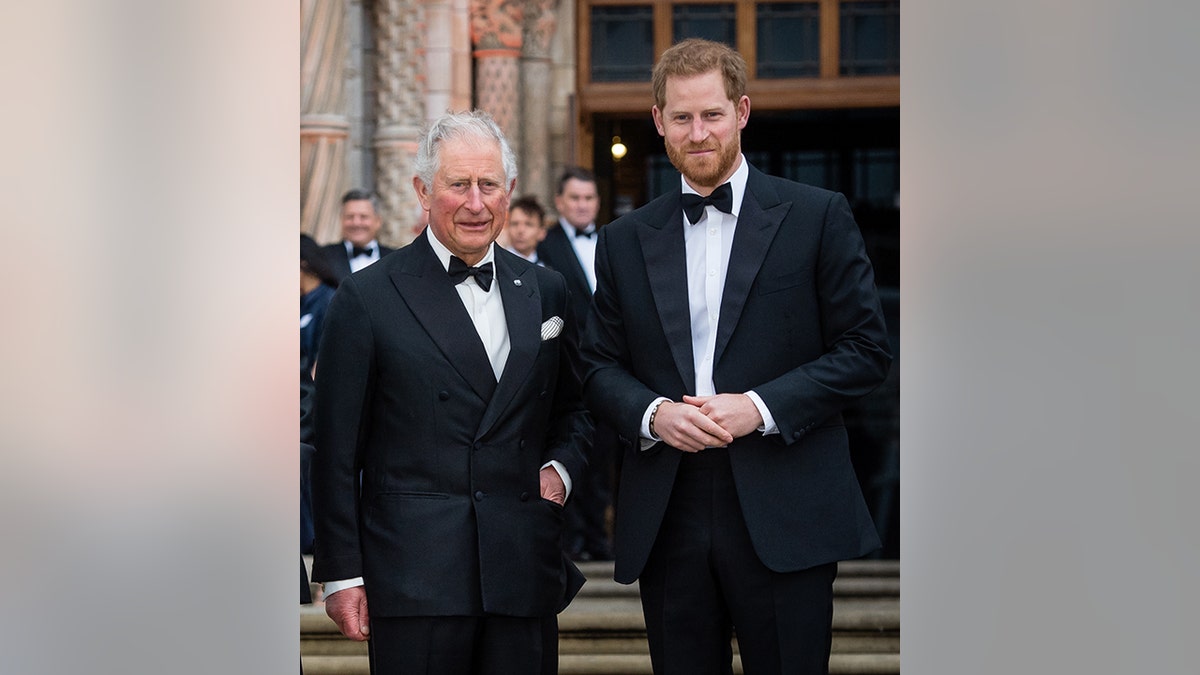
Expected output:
(468, 200)
(701, 128)
(579, 203)
(524, 231)
(360, 223)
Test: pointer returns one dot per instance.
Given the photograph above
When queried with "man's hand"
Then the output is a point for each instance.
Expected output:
(348, 609)
(552, 487)
(735, 413)
(684, 426)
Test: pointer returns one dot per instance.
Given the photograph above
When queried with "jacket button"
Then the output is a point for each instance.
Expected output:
(443, 395)
(521, 444)
(524, 496)
(543, 394)
(479, 495)
(797, 434)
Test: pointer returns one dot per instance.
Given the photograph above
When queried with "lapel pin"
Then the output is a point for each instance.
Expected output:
(516, 282)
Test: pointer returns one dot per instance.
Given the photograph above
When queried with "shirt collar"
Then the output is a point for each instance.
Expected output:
(372, 245)
(443, 254)
(737, 182)
(571, 229)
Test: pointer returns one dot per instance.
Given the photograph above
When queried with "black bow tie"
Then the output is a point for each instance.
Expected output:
(357, 251)
(459, 272)
(722, 198)
(586, 234)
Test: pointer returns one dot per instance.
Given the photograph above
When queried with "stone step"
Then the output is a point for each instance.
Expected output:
(598, 570)
(617, 664)
(862, 586)
(602, 632)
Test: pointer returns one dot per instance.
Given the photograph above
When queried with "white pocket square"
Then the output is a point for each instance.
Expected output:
(551, 327)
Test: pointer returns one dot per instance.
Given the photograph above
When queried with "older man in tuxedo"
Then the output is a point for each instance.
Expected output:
(733, 319)
(449, 427)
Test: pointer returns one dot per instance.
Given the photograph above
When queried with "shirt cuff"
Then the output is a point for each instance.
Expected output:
(332, 587)
(768, 425)
(562, 473)
(648, 439)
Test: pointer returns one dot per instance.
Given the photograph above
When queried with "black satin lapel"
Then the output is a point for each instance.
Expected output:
(432, 298)
(564, 251)
(523, 313)
(666, 266)
(755, 231)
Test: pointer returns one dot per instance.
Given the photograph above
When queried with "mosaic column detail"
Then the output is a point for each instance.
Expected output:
(400, 115)
(496, 33)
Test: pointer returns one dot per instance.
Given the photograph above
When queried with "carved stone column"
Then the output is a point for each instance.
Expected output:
(496, 33)
(447, 56)
(536, 86)
(324, 126)
(400, 115)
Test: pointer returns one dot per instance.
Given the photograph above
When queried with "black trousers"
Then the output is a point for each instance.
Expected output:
(464, 645)
(703, 580)
(586, 533)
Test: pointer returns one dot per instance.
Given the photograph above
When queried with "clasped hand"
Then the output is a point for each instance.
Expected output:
(700, 422)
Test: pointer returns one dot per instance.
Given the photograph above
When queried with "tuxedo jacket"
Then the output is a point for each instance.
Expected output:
(800, 324)
(340, 260)
(447, 518)
(556, 252)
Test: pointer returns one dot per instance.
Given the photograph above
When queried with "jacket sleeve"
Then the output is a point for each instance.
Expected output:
(344, 382)
(857, 356)
(611, 390)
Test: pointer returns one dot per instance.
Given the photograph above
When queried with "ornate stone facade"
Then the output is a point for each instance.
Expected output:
(430, 56)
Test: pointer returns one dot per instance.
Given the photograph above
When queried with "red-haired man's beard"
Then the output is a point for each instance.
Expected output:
(705, 170)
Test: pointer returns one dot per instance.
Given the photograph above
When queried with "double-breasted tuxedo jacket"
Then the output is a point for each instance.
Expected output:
(800, 324)
(339, 259)
(448, 519)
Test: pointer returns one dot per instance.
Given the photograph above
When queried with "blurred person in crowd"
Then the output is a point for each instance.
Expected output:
(449, 426)
(570, 248)
(317, 284)
(360, 226)
(526, 228)
(735, 317)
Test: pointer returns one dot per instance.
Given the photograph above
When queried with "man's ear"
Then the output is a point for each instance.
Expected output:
(422, 193)
(657, 115)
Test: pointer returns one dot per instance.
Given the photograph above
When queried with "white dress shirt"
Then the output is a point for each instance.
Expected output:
(485, 307)
(585, 250)
(709, 243)
(487, 314)
(361, 261)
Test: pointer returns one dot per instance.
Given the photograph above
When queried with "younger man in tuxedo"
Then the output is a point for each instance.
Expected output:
(360, 226)
(734, 318)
